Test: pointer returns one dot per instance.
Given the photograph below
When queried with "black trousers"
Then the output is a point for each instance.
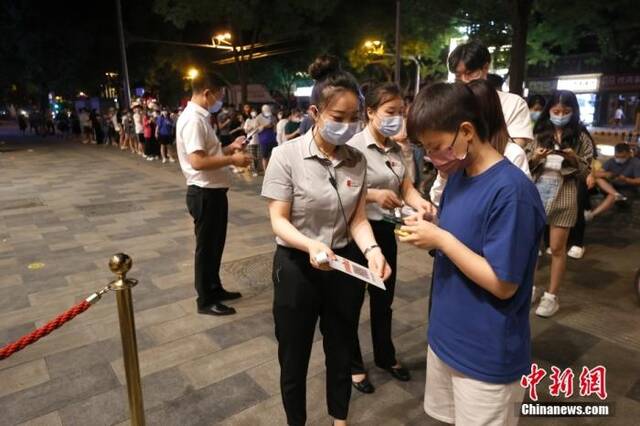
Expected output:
(576, 235)
(151, 147)
(209, 209)
(384, 353)
(302, 294)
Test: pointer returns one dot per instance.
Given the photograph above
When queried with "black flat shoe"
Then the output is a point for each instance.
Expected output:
(364, 386)
(223, 295)
(217, 309)
(399, 373)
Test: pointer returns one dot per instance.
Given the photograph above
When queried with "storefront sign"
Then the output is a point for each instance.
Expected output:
(620, 82)
(579, 84)
(541, 87)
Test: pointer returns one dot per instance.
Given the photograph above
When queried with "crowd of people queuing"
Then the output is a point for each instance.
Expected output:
(149, 130)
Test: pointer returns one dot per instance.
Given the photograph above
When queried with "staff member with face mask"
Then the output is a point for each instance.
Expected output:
(388, 189)
(203, 162)
(316, 190)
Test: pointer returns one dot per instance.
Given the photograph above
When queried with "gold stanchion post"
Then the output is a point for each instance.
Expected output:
(120, 264)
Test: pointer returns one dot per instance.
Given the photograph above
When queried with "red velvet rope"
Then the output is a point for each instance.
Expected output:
(35, 335)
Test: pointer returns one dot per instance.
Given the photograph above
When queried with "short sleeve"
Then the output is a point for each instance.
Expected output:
(278, 183)
(512, 232)
(193, 135)
(519, 121)
(435, 194)
(518, 157)
(607, 165)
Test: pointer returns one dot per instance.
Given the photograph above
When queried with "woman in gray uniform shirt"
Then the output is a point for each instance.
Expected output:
(389, 187)
(316, 186)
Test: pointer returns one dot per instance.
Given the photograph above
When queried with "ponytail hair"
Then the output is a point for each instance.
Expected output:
(491, 109)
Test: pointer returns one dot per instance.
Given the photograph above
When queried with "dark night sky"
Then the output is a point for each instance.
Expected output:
(76, 42)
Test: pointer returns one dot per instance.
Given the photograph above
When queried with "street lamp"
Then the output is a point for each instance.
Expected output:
(222, 40)
(192, 73)
(374, 47)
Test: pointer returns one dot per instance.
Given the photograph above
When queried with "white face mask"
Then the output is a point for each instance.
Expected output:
(253, 114)
(390, 125)
(560, 120)
(338, 133)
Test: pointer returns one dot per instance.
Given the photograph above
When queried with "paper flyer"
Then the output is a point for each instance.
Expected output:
(355, 270)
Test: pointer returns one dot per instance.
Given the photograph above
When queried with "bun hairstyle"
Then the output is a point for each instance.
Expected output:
(330, 80)
(443, 107)
(322, 66)
(380, 94)
(492, 113)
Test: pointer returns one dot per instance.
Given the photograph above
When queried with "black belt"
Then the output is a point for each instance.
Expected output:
(199, 188)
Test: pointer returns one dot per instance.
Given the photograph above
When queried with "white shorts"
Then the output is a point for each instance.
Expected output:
(451, 397)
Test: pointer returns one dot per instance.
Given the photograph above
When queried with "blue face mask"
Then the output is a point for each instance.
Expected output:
(560, 120)
(390, 126)
(338, 133)
(215, 107)
(535, 115)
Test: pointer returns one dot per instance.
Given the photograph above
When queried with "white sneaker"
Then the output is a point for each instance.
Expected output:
(533, 295)
(149, 158)
(164, 160)
(254, 174)
(172, 160)
(548, 251)
(588, 215)
(143, 156)
(576, 252)
(539, 253)
(548, 305)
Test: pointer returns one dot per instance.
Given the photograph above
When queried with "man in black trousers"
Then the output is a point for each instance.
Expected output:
(204, 164)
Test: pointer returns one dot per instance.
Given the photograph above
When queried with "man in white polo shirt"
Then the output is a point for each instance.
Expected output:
(470, 61)
(204, 164)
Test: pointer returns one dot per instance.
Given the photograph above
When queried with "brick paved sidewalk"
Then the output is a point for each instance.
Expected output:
(70, 206)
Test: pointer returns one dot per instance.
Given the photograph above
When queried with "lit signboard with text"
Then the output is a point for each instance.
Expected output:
(579, 84)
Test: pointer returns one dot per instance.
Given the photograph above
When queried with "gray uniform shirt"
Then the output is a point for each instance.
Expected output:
(385, 168)
(300, 174)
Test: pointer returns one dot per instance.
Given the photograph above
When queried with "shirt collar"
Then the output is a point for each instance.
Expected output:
(370, 142)
(198, 109)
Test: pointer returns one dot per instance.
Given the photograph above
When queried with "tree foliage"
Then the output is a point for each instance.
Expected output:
(43, 50)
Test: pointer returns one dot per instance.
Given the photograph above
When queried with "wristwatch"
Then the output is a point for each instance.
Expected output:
(368, 249)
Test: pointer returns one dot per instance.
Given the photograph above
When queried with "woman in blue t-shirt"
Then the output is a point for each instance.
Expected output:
(490, 221)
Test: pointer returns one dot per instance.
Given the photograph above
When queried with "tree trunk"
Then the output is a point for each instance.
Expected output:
(520, 11)
(247, 70)
(244, 93)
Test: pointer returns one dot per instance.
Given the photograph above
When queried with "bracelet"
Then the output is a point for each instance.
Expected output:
(368, 249)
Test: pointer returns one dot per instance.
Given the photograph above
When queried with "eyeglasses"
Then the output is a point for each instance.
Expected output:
(469, 75)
